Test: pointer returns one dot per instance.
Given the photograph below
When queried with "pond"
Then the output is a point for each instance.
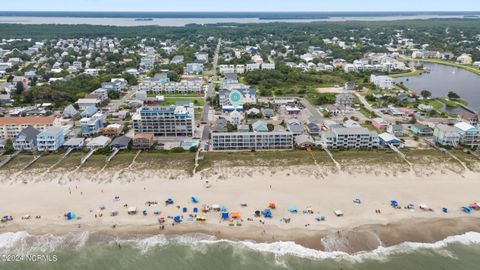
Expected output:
(441, 79)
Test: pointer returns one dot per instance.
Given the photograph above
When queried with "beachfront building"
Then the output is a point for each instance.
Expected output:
(469, 135)
(74, 143)
(252, 140)
(98, 142)
(121, 143)
(26, 140)
(142, 141)
(164, 121)
(379, 123)
(84, 103)
(51, 139)
(90, 126)
(349, 138)
(382, 81)
(446, 135)
(421, 130)
(10, 126)
(387, 139)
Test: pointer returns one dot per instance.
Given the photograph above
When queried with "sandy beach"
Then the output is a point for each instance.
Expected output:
(361, 227)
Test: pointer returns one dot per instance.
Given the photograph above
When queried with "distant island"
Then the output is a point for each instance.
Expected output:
(143, 19)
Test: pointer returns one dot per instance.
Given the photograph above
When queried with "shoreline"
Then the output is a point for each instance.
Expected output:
(360, 229)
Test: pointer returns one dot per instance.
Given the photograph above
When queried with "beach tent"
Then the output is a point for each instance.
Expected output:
(132, 210)
(184, 210)
(235, 215)
(267, 213)
(320, 218)
(156, 212)
(393, 203)
(272, 205)
(216, 207)
(144, 212)
(411, 206)
(169, 201)
(70, 215)
(257, 213)
(177, 219)
(338, 213)
(195, 210)
(195, 200)
(357, 201)
(225, 216)
(466, 209)
(445, 210)
(292, 209)
(423, 207)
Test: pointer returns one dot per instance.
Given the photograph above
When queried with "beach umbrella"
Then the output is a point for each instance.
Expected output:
(225, 216)
(195, 200)
(292, 209)
(393, 203)
(466, 209)
(267, 213)
(169, 201)
(70, 215)
(445, 210)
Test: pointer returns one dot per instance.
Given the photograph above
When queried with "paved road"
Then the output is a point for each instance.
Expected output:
(367, 106)
(210, 91)
(316, 117)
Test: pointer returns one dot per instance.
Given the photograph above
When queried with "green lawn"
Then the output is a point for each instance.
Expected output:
(195, 100)
(407, 74)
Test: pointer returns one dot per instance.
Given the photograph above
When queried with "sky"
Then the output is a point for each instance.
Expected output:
(240, 5)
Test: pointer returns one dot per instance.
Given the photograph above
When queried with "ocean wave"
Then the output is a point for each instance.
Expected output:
(24, 243)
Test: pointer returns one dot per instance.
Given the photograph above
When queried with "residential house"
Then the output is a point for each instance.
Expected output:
(379, 123)
(84, 103)
(121, 143)
(313, 129)
(395, 129)
(295, 126)
(98, 142)
(26, 140)
(345, 99)
(194, 68)
(304, 141)
(469, 135)
(69, 112)
(75, 143)
(387, 139)
(260, 126)
(51, 139)
(90, 126)
(421, 130)
(446, 135)
(142, 141)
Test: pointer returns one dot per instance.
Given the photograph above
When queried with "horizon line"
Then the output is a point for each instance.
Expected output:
(246, 11)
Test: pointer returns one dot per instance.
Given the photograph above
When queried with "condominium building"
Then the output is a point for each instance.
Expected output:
(184, 87)
(252, 140)
(469, 135)
(165, 120)
(90, 126)
(10, 127)
(382, 81)
(349, 138)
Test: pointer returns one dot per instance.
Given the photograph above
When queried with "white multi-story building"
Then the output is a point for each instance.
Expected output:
(183, 87)
(349, 138)
(252, 140)
(252, 67)
(382, 81)
(268, 66)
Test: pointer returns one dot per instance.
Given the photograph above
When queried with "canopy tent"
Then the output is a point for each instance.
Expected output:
(235, 215)
(195, 200)
(225, 216)
(70, 215)
(132, 210)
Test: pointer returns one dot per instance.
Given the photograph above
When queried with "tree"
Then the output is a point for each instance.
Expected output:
(19, 88)
(452, 95)
(9, 147)
(426, 93)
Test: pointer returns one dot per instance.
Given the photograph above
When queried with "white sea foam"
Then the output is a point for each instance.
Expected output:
(26, 243)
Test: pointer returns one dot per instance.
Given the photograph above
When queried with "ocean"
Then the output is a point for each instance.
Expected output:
(96, 252)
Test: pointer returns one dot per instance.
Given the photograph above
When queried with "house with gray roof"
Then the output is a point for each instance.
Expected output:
(295, 126)
(26, 140)
(121, 142)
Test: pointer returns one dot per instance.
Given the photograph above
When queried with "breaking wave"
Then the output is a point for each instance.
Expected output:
(22, 242)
